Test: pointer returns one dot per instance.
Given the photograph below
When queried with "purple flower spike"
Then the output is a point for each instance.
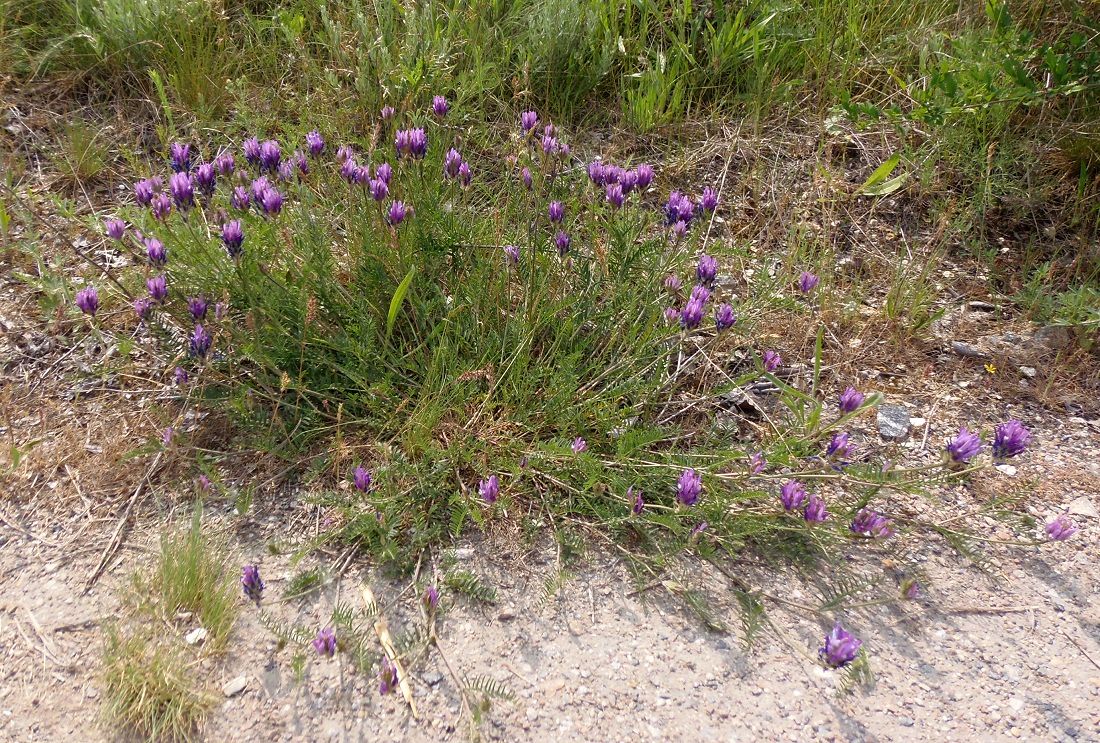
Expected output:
(550, 144)
(451, 161)
(841, 647)
(158, 288)
(692, 313)
(807, 282)
(315, 143)
(199, 344)
(411, 143)
(628, 180)
(180, 376)
(182, 189)
(868, 523)
(489, 490)
(251, 582)
(1061, 528)
(556, 211)
(679, 229)
(388, 113)
(270, 155)
(772, 361)
(251, 149)
(579, 445)
(87, 299)
(180, 156)
(815, 509)
(724, 317)
(114, 228)
(672, 283)
(439, 106)
(709, 200)
(964, 447)
(325, 642)
(142, 307)
(161, 206)
(431, 598)
(707, 270)
(398, 212)
(910, 589)
(379, 190)
(240, 198)
(286, 170)
(225, 164)
(271, 201)
(614, 195)
(1010, 439)
(839, 446)
(757, 463)
(384, 173)
(155, 252)
(465, 177)
(387, 677)
(644, 173)
(637, 502)
(512, 252)
(850, 400)
(528, 120)
(233, 237)
(525, 174)
(206, 179)
(143, 192)
(689, 487)
(362, 478)
(562, 241)
(197, 307)
(792, 494)
(672, 314)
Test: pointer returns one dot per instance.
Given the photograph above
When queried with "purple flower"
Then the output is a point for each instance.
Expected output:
(271, 200)
(158, 288)
(562, 242)
(528, 120)
(251, 149)
(512, 252)
(839, 446)
(180, 155)
(814, 511)
(344, 153)
(142, 307)
(724, 317)
(807, 282)
(115, 228)
(197, 307)
(315, 143)
(692, 313)
(431, 598)
(155, 252)
(384, 173)
(699, 293)
(220, 310)
(579, 445)
(387, 676)
(398, 212)
(240, 198)
(388, 113)
(841, 647)
(167, 435)
(1061, 528)
(964, 447)
(1010, 439)
(233, 237)
(679, 208)
(689, 487)
(709, 199)
(792, 494)
(597, 173)
(525, 174)
(772, 361)
(143, 191)
(910, 589)
(679, 229)
(556, 211)
(628, 180)
(411, 143)
(707, 270)
(550, 144)
(672, 314)
(379, 190)
(180, 376)
(757, 463)
(869, 523)
(672, 283)
(362, 478)
(199, 344)
(645, 175)
(637, 503)
(489, 489)
(161, 206)
(464, 175)
(225, 164)
(286, 170)
(206, 178)
(451, 161)
(87, 299)
(850, 400)
(698, 529)
(270, 155)
(439, 106)
(614, 195)
(182, 189)
(325, 642)
(251, 582)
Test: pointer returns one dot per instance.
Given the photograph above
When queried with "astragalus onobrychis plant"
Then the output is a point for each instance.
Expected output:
(501, 333)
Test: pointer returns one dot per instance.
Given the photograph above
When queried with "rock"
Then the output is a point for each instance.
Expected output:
(979, 306)
(195, 636)
(235, 686)
(1006, 469)
(965, 349)
(1083, 506)
(507, 613)
(893, 422)
(1053, 337)
(1029, 371)
(433, 678)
